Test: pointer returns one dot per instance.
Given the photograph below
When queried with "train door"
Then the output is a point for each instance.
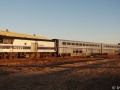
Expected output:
(34, 47)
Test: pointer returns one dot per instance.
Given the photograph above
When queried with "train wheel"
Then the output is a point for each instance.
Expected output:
(32, 56)
(37, 55)
(44, 55)
(11, 56)
(15, 55)
(5, 56)
(0, 56)
(40, 55)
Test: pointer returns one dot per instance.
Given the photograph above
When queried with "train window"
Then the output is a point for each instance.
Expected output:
(64, 43)
(76, 51)
(83, 44)
(76, 44)
(87, 44)
(80, 44)
(95, 45)
(73, 43)
(7, 41)
(68, 43)
(73, 51)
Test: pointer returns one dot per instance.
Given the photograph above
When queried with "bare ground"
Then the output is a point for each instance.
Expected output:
(100, 74)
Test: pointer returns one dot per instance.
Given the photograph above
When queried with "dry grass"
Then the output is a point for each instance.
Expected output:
(81, 75)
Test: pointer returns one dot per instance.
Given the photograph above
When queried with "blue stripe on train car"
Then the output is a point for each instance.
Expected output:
(5, 47)
(21, 47)
(25, 47)
(50, 48)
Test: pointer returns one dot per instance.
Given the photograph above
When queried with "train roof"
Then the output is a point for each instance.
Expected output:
(7, 33)
(76, 41)
(85, 42)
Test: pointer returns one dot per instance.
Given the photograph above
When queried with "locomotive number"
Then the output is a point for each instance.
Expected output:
(18, 47)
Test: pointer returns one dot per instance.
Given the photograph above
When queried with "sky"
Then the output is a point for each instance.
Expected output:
(79, 20)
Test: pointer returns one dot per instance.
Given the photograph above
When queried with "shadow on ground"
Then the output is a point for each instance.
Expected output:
(100, 76)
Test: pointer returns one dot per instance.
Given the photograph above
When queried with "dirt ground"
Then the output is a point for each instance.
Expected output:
(100, 74)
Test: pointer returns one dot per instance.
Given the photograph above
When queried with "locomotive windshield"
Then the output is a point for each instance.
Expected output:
(8, 41)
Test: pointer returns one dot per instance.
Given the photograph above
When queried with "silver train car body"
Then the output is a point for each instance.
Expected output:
(110, 49)
(80, 48)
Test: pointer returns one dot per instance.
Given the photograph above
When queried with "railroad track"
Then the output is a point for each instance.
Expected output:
(49, 61)
(46, 61)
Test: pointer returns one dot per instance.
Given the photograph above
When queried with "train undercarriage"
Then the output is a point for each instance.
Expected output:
(38, 55)
(29, 55)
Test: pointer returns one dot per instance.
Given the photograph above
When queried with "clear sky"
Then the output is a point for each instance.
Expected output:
(81, 20)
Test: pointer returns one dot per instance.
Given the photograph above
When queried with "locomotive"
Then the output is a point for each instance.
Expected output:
(13, 47)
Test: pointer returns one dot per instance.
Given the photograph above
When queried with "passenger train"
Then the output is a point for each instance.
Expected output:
(14, 47)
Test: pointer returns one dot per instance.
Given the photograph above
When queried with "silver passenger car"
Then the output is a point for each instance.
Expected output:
(77, 48)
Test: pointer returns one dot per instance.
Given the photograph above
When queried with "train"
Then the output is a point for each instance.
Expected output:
(17, 47)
